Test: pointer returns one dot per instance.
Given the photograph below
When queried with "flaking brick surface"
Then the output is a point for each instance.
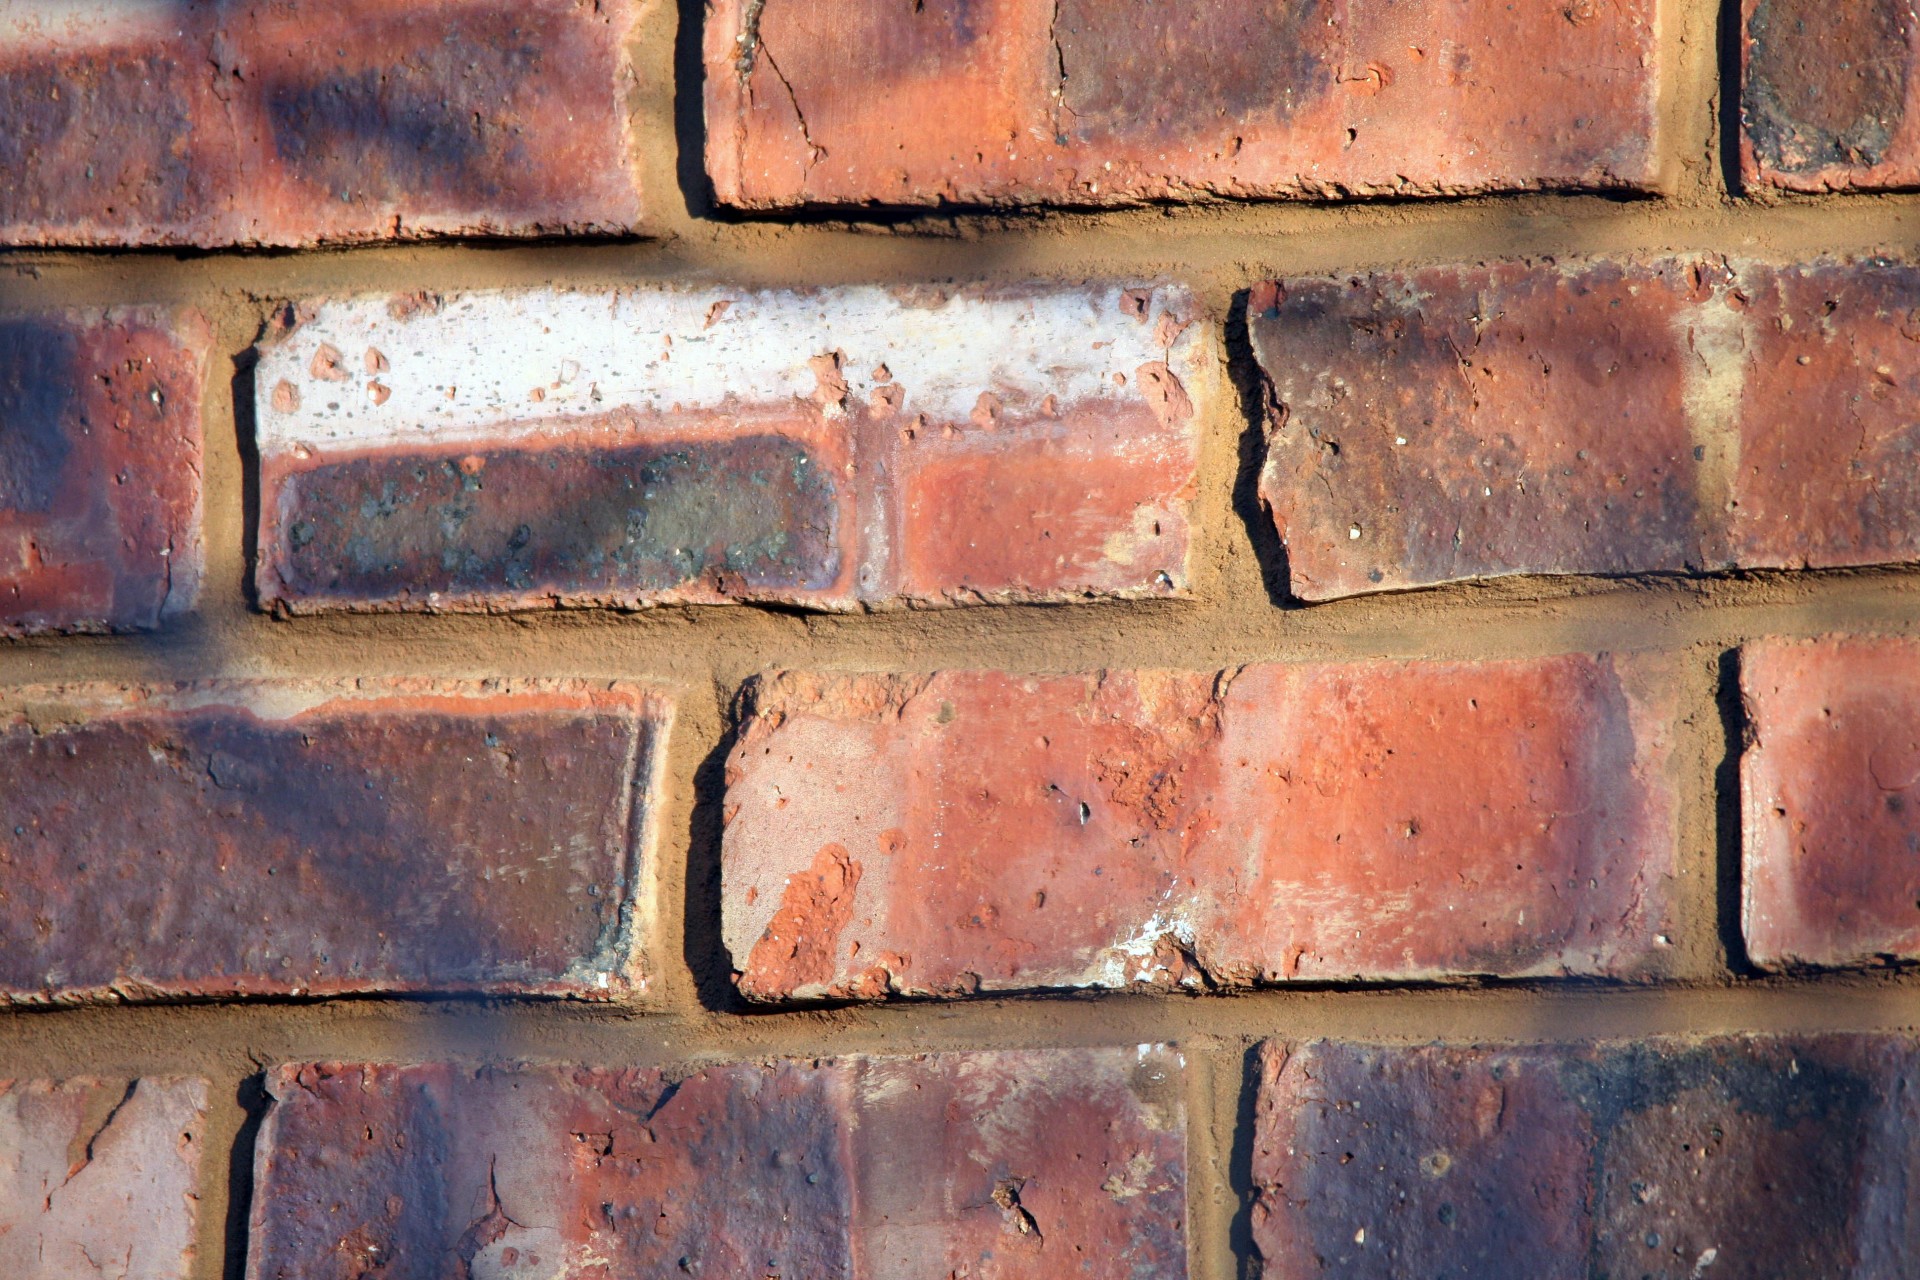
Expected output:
(1747, 1156)
(99, 1178)
(1827, 95)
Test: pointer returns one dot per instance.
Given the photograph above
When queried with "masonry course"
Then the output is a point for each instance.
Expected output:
(1558, 921)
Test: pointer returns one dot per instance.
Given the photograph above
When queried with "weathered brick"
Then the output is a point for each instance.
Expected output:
(285, 123)
(1008, 1164)
(1828, 390)
(937, 835)
(247, 838)
(1825, 95)
(99, 469)
(1830, 821)
(1589, 418)
(831, 449)
(99, 1180)
(839, 102)
(1744, 1156)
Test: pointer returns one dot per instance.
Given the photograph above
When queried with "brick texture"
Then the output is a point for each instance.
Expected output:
(235, 122)
(99, 469)
(1747, 1156)
(1830, 819)
(1008, 1164)
(840, 102)
(937, 835)
(307, 838)
(99, 1180)
(1827, 95)
(1622, 417)
(832, 449)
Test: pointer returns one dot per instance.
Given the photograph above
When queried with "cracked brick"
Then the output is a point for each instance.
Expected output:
(300, 121)
(992, 1163)
(99, 1179)
(831, 103)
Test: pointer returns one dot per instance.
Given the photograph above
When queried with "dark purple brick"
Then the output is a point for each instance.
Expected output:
(312, 838)
(99, 469)
(1747, 1157)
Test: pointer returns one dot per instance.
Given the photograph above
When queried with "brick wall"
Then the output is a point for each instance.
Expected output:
(979, 638)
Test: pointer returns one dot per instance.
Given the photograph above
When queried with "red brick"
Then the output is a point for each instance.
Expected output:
(1008, 1164)
(100, 1178)
(1829, 393)
(1830, 818)
(1602, 418)
(311, 838)
(100, 469)
(1744, 1156)
(1382, 821)
(838, 102)
(286, 123)
(1826, 95)
(832, 449)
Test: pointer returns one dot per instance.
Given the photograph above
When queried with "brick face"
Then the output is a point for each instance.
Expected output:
(259, 839)
(992, 1164)
(1622, 417)
(1826, 95)
(831, 449)
(312, 120)
(937, 835)
(1078, 102)
(100, 469)
(1742, 1156)
(99, 1178)
(1829, 827)
(927, 383)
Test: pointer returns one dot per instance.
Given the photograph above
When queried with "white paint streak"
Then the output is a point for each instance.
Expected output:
(521, 363)
(1135, 959)
(79, 24)
(1713, 340)
(52, 705)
